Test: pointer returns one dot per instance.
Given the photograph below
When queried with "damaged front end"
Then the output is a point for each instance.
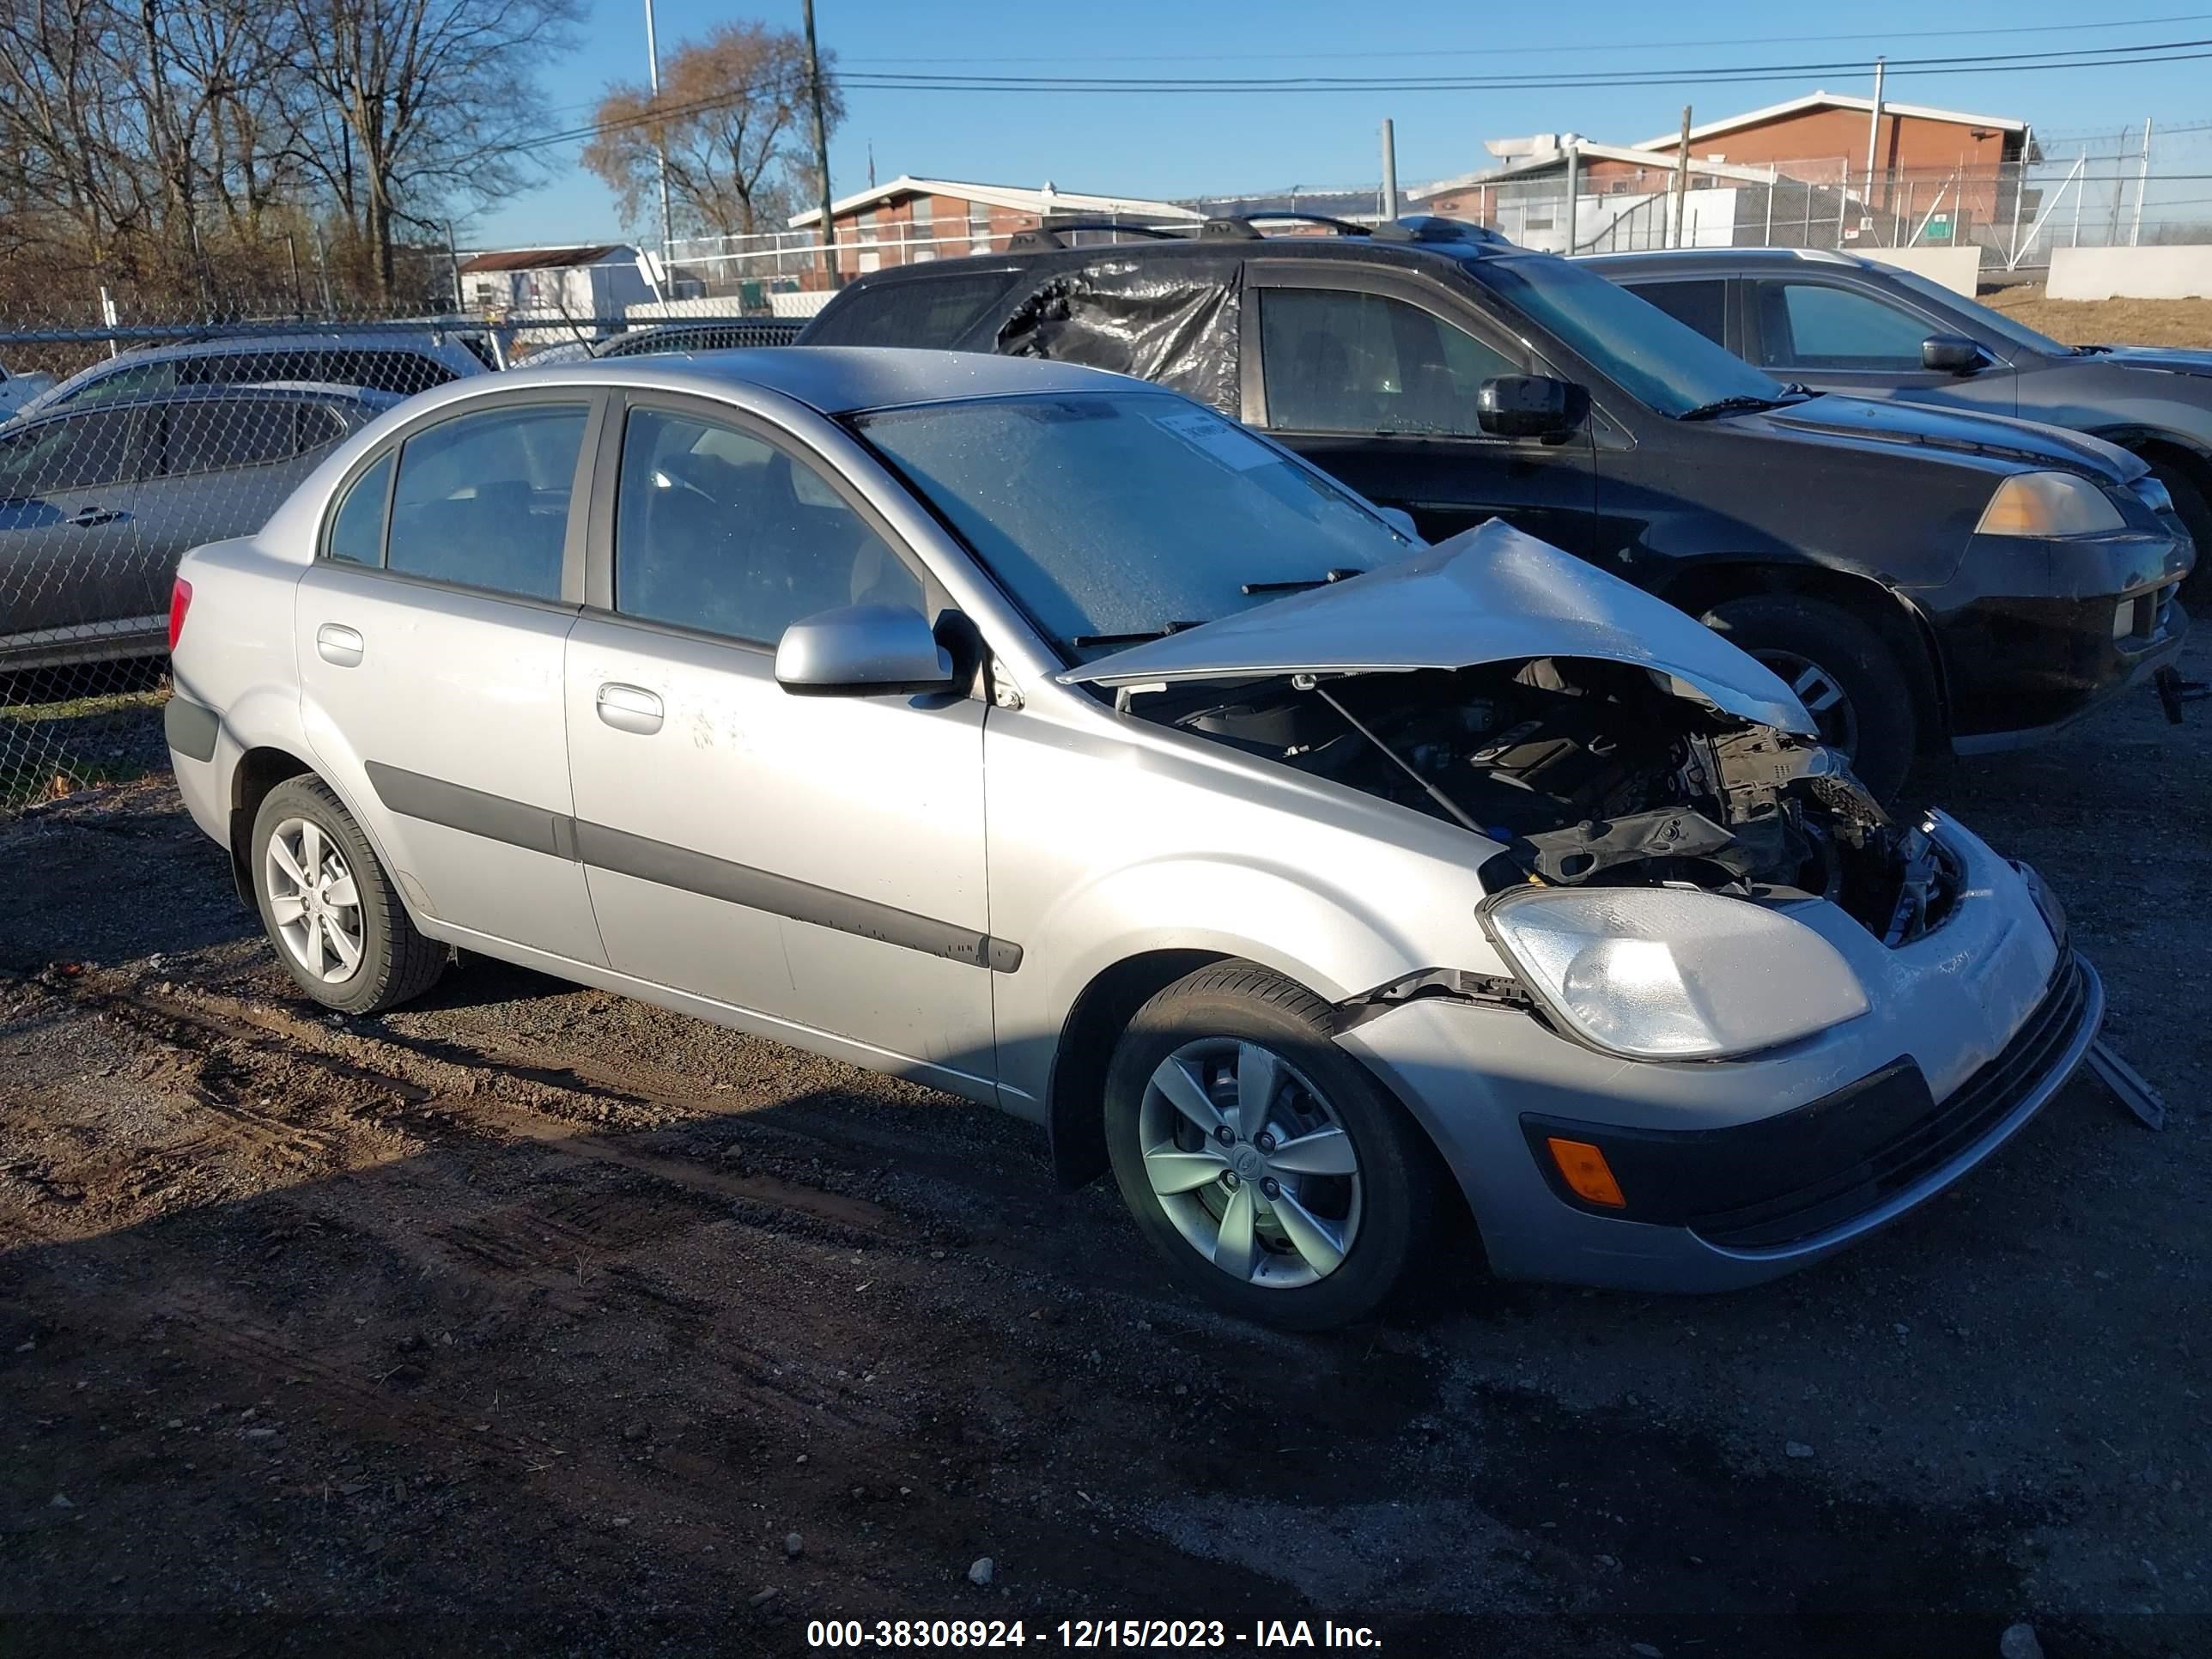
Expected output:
(1586, 775)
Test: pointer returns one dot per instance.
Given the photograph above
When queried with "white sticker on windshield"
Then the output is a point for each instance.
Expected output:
(1223, 441)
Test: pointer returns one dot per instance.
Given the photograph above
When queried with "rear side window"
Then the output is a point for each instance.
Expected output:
(929, 312)
(222, 433)
(357, 528)
(483, 498)
(82, 451)
(1813, 325)
(1702, 304)
(1339, 361)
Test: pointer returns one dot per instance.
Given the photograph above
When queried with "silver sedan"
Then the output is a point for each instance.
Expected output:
(1041, 736)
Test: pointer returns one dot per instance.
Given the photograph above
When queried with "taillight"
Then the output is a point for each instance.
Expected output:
(180, 601)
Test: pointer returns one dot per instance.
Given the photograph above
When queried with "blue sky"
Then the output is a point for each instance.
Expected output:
(1181, 145)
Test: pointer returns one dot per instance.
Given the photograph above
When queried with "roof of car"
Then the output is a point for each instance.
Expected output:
(448, 349)
(838, 379)
(1225, 250)
(1725, 258)
(232, 390)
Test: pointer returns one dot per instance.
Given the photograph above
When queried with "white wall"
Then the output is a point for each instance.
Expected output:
(2133, 273)
(1959, 269)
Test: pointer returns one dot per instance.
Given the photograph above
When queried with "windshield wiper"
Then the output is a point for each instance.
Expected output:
(1300, 586)
(1085, 641)
(1729, 406)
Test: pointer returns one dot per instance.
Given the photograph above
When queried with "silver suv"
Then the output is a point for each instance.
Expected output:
(1040, 735)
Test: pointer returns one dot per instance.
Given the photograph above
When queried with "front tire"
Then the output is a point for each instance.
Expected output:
(1858, 693)
(2195, 512)
(1268, 1167)
(329, 909)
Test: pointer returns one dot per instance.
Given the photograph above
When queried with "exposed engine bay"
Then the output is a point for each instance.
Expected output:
(1587, 773)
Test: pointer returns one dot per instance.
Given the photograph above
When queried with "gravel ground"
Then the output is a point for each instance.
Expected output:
(536, 1319)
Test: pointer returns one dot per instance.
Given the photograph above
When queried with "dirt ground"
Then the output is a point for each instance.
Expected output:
(534, 1320)
(2107, 322)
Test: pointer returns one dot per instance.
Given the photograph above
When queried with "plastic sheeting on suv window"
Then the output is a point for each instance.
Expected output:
(1173, 323)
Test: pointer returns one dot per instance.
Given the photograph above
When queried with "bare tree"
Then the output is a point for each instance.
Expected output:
(730, 114)
(426, 101)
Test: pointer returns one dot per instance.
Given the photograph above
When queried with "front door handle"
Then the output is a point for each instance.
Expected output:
(629, 709)
(87, 517)
(338, 645)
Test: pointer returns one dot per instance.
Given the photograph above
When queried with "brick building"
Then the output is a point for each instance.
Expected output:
(909, 220)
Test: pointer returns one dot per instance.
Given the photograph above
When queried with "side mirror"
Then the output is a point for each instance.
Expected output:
(1950, 354)
(862, 651)
(1399, 520)
(1530, 406)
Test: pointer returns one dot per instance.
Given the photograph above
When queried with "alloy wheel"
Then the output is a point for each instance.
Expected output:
(1251, 1164)
(1823, 695)
(313, 900)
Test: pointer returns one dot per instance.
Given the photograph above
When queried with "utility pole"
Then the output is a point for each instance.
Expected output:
(1389, 171)
(2142, 186)
(821, 150)
(1682, 177)
(1574, 191)
(1874, 131)
(659, 140)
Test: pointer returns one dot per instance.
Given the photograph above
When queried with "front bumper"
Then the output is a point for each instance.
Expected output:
(1777, 1160)
(2034, 634)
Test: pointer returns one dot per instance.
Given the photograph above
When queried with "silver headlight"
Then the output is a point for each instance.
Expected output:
(2049, 504)
(1673, 973)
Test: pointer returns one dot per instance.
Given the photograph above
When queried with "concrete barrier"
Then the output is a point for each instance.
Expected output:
(2131, 273)
(1959, 269)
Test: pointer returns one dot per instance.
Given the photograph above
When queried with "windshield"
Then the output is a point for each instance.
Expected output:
(1664, 365)
(1120, 515)
(1989, 317)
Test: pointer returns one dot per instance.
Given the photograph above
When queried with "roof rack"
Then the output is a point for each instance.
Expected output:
(1245, 226)
(1047, 236)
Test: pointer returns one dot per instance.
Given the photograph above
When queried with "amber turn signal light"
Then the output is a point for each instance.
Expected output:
(1587, 1173)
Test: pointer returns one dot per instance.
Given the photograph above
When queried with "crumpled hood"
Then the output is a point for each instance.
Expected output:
(1489, 594)
(1995, 437)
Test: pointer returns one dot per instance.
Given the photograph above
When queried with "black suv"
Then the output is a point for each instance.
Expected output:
(1845, 324)
(1924, 579)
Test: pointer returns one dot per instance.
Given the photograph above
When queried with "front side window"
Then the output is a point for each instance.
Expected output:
(1702, 304)
(1813, 325)
(1662, 364)
(718, 531)
(1338, 361)
(1040, 489)
(483, 499)
(81, 452)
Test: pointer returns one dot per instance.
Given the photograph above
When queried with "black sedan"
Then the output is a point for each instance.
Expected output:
(1847, 324)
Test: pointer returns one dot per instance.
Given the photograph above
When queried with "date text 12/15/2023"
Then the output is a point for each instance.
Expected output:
(1125, 1634)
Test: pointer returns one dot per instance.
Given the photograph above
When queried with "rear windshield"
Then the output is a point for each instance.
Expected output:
(929, 311)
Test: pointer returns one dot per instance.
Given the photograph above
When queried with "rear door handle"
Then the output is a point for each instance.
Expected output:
(629, 709)
(87, 517)
(338, 645)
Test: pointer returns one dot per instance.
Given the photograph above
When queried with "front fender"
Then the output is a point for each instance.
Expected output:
(1335, 940)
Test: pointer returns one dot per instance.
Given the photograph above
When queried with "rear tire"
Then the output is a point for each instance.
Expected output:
(1308, 1218)
(328, 907)
(1857, 691)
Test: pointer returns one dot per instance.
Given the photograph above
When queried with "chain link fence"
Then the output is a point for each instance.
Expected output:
(123, 443)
